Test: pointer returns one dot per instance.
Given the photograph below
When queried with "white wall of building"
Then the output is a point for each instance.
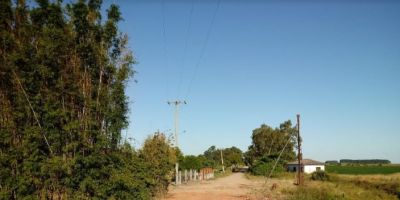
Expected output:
(313, 168)
(307, 168)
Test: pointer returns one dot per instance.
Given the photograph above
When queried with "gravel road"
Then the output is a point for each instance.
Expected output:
(235, 186)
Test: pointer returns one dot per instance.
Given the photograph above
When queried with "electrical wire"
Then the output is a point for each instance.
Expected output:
(196, 68)
(165, 48)
(280, 154)
(185, 48)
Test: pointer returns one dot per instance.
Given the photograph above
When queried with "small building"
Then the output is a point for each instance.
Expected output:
(307, 166)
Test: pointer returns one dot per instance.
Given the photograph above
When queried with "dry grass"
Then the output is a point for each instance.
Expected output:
(272, 188)
(346, 187)
(284, 175)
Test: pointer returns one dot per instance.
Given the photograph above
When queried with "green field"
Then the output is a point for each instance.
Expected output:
(363, 169)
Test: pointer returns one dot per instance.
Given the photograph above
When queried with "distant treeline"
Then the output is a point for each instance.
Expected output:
(367, 161)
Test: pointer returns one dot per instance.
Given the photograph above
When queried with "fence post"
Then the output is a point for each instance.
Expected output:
(186, 178)
(180, 177)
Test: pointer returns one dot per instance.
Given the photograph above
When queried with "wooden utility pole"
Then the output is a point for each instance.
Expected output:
(222, 161)
(176, 124)
(299, 154)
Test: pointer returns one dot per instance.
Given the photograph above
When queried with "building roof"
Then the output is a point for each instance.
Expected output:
(306, 162)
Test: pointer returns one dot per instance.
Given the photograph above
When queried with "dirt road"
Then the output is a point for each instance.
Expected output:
(235, 186)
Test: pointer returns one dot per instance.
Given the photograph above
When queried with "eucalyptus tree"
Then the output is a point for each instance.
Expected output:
(63, 75)
(270, 142)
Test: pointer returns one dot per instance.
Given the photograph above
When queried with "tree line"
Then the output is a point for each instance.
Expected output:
(212, 157)
(270, 147)
(362, 161)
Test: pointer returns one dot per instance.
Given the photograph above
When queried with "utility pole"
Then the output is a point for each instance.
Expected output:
(222, 161)
(176, 124)
(299, 154)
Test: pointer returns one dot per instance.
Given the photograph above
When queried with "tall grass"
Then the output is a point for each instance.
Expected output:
(349, 188)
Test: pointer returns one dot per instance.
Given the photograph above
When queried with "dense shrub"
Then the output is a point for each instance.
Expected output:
(191, 162)
(264, 168)
(320, 176)
(160, 156)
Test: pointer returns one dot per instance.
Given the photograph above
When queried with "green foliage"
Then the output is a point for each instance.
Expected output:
(191, 162)
(261, 168)
(319, 176)
(265, 166)
(213, 155)
(127, 176)
(158, 153)
(363, 169)
(267, 141)
(232, 156)
(63, 75)
(267, 145)
(206, 162)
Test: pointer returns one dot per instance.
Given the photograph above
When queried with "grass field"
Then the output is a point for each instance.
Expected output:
(337, 187)
(348, 187)
(363, 169)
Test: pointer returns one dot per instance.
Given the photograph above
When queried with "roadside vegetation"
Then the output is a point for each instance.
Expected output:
(323, 186)
(362, 182)
(271, 149)
(63, 72)
(212, 158)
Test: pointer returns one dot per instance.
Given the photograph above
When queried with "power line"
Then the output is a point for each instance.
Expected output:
(300, 180)
(165, 48)
(203, 48)
(185, 47)
(279, 156)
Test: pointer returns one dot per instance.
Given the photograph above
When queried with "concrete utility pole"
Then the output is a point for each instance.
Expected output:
(299, 154)
(222, 161)
(176, 124)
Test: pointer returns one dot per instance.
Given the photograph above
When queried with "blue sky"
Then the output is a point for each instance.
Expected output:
(336, 64)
